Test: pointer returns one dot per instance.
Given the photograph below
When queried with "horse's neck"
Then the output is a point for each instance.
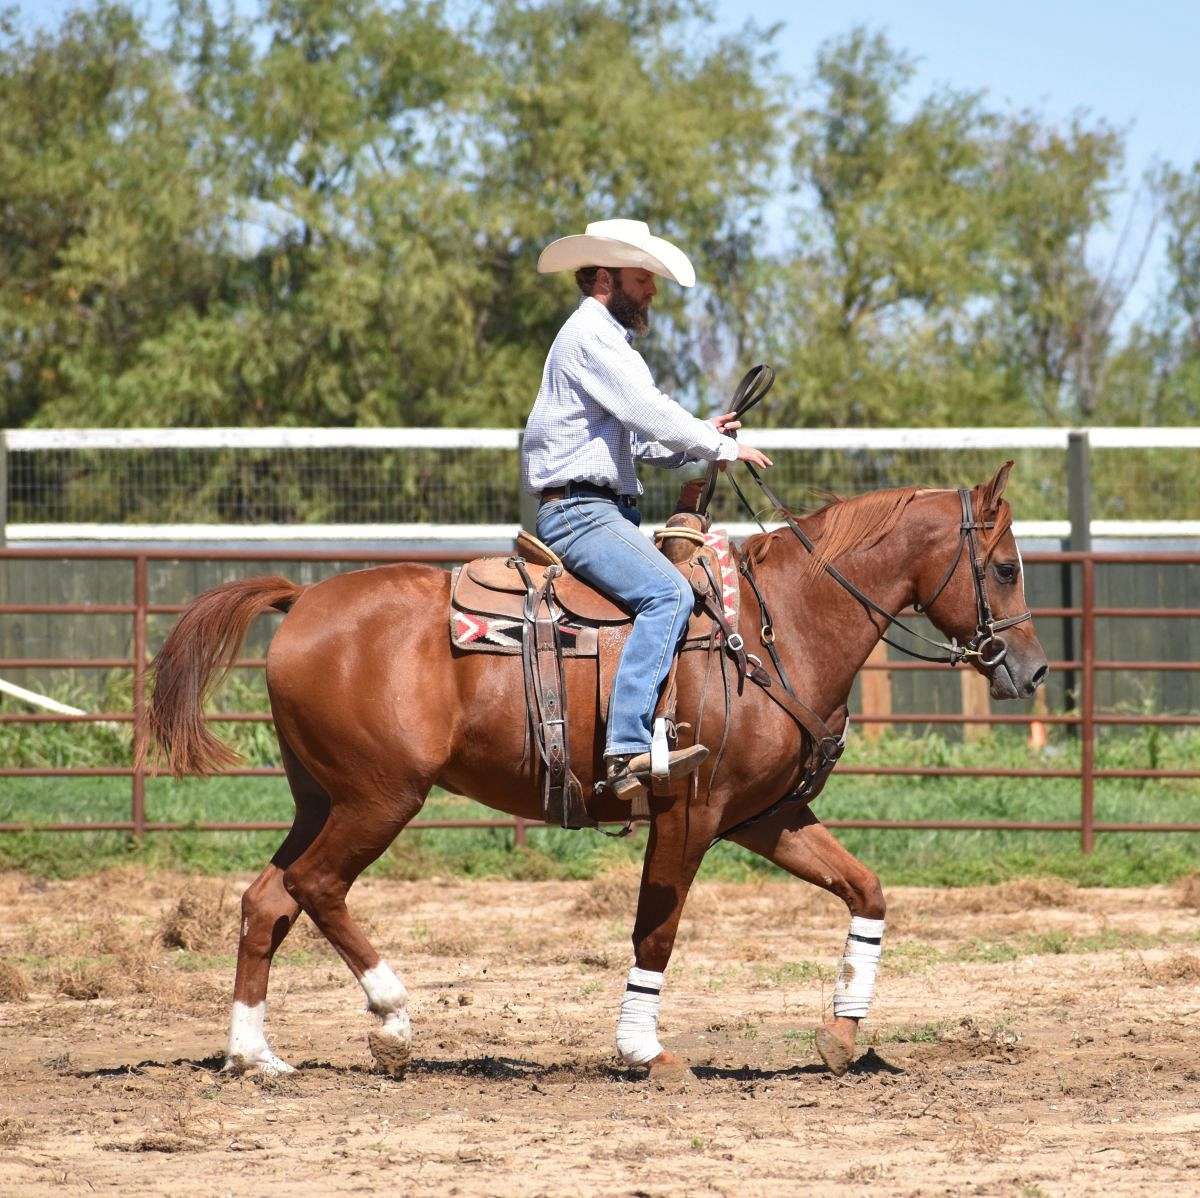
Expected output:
(822, 632)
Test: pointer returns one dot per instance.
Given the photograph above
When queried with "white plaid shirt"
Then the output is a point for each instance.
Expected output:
(598, 410)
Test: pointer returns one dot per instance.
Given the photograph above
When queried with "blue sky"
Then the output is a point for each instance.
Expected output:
(1134, 65)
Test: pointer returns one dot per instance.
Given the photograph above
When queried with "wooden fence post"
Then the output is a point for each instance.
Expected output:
(876, 692)
(974, 702)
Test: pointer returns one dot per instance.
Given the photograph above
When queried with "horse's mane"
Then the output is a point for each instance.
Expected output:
(859, 523)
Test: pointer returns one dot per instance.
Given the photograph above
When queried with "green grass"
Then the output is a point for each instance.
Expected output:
(941, 858)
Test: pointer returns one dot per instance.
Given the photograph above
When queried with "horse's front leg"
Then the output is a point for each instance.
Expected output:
(678, 841)
(801, 844)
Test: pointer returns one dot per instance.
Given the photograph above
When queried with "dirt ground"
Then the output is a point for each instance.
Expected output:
(1027, 1039)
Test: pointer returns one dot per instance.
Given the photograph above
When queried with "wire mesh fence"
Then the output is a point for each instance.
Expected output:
(239, 478)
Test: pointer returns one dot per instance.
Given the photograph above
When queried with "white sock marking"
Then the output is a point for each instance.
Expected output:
(248, 1047)
(387, 998)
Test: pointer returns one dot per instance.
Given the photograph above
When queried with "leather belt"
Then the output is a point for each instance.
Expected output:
(592, 490)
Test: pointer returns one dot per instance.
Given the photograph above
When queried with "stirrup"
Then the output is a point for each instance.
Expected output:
(630, 781)
(680, 762)
(626, 787)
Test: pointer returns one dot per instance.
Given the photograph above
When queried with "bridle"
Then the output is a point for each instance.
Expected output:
(986, 645)
(986, 624)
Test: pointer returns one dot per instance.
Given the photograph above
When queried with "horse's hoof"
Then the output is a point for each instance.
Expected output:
(834, 1051)
(264, 1065)
(669, 1072)
(392, 1053)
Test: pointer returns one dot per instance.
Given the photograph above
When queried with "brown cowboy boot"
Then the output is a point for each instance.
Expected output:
(628, 773)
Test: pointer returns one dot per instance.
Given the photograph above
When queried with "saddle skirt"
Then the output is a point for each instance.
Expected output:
(487, 599)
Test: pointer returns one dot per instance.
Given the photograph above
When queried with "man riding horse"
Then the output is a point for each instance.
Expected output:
(598, 411)
(375, 701)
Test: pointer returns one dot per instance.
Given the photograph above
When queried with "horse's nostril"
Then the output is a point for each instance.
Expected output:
(1037, 678)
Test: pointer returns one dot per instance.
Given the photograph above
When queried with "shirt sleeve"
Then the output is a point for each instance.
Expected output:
(618, 379)
(657, 454)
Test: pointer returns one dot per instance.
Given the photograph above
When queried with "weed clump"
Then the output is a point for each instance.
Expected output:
(1021, 894)
(612, 893)
(13, 985)
(202, 920)
(1182, 967)
(88, 980)
(1187, 892)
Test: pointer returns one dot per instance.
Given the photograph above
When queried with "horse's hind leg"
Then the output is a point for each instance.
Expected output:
(801, 844)
(362, 823)
(268, 913)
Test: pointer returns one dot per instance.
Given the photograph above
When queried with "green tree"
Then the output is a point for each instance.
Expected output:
(940, 269)
(329, 211)
(108, 219)
(1053, 322)
(895, 231)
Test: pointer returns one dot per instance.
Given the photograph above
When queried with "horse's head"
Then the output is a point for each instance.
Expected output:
(974, 591)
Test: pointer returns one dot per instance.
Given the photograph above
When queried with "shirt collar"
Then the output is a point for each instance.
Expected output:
(596, 308)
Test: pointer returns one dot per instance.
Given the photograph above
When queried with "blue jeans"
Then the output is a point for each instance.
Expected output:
(599, 542)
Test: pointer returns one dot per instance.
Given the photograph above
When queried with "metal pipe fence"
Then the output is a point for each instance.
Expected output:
(1086, 718)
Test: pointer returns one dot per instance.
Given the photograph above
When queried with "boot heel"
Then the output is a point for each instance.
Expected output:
(626, 788)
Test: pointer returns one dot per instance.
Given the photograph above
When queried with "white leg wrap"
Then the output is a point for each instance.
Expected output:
(387, 998)
(855, 985)
(637, 1027)
(248, 1048)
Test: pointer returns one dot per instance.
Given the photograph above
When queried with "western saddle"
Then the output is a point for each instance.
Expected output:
(529, 605)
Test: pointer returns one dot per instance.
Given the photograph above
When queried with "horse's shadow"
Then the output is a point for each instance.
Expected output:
(515, 1069)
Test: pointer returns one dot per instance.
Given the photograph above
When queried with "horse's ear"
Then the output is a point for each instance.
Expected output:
(991, 492)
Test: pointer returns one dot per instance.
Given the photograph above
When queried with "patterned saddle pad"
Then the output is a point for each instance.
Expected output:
(487, 597)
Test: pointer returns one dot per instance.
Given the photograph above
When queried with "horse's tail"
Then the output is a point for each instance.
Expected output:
(198, 652)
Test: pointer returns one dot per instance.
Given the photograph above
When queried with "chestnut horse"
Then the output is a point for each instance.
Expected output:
(373, 707)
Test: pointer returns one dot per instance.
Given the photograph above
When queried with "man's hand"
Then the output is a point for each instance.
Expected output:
(756, 457)
(727, 425)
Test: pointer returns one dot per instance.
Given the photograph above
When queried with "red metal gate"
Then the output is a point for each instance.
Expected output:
(1086, 718)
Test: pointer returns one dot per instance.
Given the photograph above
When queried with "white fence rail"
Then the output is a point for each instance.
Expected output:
(402, 484)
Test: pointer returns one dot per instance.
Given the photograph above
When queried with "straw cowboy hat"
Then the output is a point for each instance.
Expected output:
(618, 243)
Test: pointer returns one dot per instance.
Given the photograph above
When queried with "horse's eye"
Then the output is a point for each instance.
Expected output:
(1006, 572)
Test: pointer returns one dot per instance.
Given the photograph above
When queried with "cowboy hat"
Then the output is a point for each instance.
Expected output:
(618, 243)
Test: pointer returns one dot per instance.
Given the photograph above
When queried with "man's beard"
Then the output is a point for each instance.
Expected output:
(627, 311)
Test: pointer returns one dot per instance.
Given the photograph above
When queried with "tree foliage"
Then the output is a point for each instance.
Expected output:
(329, 212)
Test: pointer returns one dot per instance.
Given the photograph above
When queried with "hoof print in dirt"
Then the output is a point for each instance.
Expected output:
(391, 1055)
